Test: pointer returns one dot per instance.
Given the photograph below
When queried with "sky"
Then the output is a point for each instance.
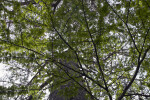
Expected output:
(3, 73)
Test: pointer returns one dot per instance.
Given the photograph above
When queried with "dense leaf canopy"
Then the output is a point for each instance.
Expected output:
(101, 47)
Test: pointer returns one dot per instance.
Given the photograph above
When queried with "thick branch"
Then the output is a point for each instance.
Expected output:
(135, 74)
(95, 49)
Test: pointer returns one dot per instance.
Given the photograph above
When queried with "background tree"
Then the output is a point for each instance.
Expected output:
(99, 46)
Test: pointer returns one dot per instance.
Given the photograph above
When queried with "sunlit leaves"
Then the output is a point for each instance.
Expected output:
(106, 39)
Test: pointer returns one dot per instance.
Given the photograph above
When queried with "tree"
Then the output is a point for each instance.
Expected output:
(100, 47)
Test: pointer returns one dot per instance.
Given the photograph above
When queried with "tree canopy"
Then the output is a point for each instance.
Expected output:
(101, 47)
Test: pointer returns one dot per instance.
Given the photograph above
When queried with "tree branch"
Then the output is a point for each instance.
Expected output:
(125, 25)
(135, 74)
(130, 94)
(95, 49)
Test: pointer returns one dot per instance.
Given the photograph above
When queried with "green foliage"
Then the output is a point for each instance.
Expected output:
(100, 47)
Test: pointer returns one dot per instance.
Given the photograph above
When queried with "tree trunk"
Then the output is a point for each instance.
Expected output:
(54, 95)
